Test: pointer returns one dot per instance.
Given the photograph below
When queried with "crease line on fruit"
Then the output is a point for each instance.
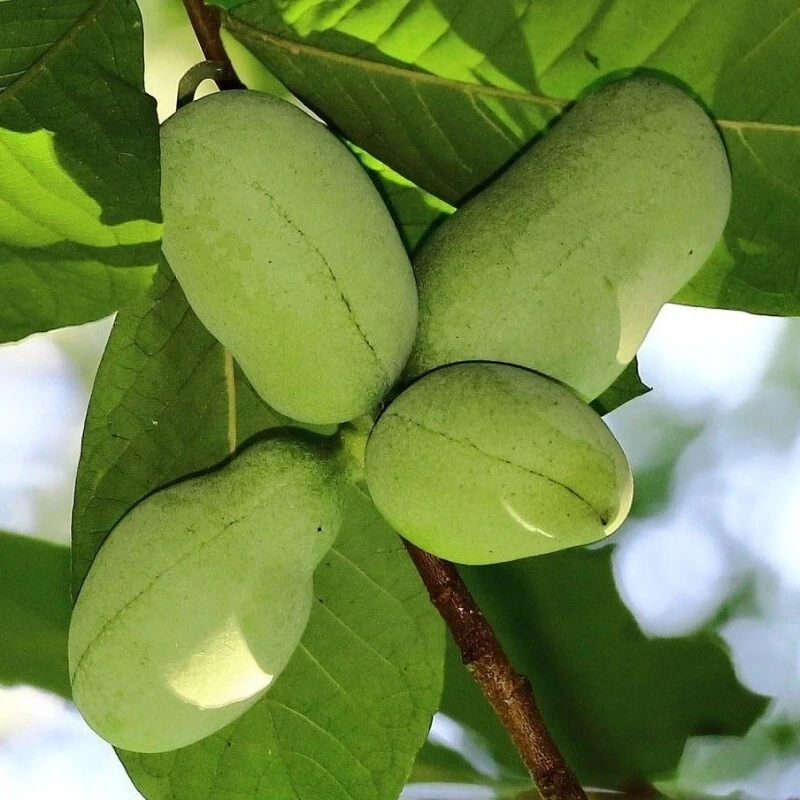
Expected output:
(556, 268)
(230, 393)
(313, 247)
(467, 443)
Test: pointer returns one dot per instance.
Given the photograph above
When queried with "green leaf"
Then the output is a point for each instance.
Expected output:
(621, 706)
(34, 612)
(446, 94)
(347, 716)
(79, 178)
(626, 387)
(414, 211)
(440, 129)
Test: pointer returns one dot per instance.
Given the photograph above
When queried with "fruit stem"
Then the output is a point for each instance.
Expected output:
(509, 693)
(205, 23)
(352, 438)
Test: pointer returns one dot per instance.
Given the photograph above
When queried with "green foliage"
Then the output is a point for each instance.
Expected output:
(447, 94)
(481, 462)
(434, 99)
(628, 386)
(34, 612)
(414, 211)
(80, 221)
(372, 650)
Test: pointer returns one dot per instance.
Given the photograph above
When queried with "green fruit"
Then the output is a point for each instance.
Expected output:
(562, 263)
(199, 596)
(287, 254)
(481, 462)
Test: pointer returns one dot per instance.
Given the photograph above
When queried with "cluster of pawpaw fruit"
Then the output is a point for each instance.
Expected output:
(519, 309)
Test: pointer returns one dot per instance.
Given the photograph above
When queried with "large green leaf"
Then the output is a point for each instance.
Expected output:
(34, 612)
(446, 92)
(347, 716)
(620, 705)
(79, 214)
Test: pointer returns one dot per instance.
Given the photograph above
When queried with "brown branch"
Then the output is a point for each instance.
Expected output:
(602, 794)
(205, 22)
(509, 693)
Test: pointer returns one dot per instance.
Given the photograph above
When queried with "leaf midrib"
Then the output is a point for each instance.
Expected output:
(247, 31)
(236, 25)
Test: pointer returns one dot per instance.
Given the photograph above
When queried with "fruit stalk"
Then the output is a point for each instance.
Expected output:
(205, 23)
(509, 693)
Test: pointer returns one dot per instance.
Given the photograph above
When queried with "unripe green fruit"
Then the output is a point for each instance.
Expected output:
(481, 462)
(287, 254)
(562, 263)
(199, 596)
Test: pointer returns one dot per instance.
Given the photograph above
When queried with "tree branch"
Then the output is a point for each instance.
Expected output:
(602, 794)
(509, 693)
(205, 22)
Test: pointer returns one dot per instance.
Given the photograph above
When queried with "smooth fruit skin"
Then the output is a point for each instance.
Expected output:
(562, 263)
(287, 254)
(199, 596)
(481, 462)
